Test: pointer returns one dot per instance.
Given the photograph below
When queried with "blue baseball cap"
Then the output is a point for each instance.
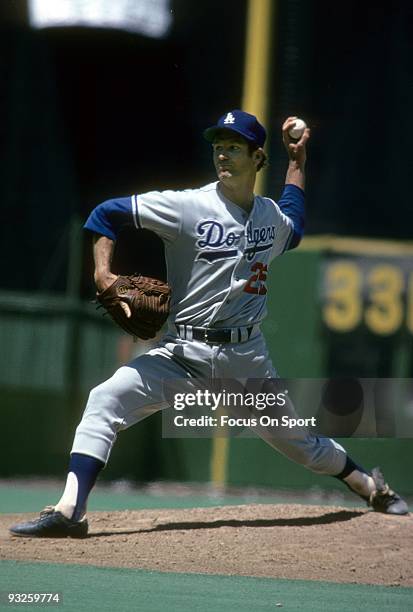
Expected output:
(243, 123)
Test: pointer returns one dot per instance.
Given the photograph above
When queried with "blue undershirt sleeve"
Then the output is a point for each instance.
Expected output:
(291, 204)
(109, 217)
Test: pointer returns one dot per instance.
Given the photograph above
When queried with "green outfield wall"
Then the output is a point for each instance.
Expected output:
(334, 307)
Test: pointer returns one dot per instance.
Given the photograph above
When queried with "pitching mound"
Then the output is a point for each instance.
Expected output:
(276, 541)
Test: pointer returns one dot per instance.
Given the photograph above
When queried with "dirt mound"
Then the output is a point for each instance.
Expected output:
(276, 541)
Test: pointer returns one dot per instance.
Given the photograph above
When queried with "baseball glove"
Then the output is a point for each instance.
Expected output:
(148, 300)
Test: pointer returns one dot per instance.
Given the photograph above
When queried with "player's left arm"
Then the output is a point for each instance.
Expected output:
(292, 201)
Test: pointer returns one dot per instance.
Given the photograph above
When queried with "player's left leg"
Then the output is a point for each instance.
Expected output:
(133, 393)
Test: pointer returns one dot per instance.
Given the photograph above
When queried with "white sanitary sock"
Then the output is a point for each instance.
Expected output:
(67, 503)
(360, 483)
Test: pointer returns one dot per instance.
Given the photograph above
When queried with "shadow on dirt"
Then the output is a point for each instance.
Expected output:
(299, 521)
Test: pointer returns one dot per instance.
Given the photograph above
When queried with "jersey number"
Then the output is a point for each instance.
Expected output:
(256, 282)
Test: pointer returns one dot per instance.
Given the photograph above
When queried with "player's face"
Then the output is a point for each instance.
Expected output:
(232, 157)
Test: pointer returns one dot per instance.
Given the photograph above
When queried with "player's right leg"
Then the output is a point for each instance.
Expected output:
(323, 455)
(134, 392)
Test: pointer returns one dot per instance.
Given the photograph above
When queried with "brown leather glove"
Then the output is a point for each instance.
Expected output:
(148, 300)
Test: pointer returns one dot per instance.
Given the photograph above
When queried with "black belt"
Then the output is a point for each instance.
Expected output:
(214, 336)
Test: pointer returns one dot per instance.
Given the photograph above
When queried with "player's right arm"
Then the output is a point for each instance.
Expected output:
(292, 201)
(297, 154)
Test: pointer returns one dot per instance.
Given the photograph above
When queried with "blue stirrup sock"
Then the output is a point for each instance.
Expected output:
(82, 474)
(357, 479)
(348, 468)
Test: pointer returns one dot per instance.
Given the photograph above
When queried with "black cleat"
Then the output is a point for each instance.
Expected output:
(51, 524)
(383, 499)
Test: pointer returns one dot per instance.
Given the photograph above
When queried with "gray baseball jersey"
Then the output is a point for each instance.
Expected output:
(217, 254)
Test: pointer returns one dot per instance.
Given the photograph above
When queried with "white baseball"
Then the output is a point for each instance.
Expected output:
(297, 131)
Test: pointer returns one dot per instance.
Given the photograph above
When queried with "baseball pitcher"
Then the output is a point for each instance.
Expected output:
(220, 240)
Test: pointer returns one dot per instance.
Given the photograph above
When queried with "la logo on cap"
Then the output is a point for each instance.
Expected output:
(241, 122)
